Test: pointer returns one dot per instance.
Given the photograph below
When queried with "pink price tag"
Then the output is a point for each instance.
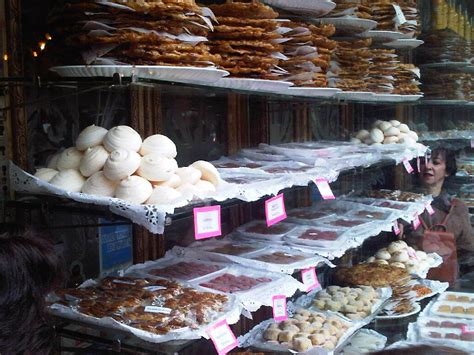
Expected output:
(280, 312)
(275, 210)
(418, 164)
(207, 222)
(416, 222)
(396, 229)
(222, 336)
(466, 329)
(430, 209)
(310, 280)
(408, 166)
(324, 188)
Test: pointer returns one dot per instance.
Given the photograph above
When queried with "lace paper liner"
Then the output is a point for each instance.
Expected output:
(357, 348)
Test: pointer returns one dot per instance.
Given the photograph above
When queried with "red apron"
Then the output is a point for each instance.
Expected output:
(436, 239)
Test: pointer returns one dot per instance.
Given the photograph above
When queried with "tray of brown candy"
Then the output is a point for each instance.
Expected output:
(185, 270)
(316, 236)
(305, 215)
(260, 230)
(232, 282)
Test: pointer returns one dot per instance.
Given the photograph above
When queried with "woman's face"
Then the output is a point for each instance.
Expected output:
(433, 172)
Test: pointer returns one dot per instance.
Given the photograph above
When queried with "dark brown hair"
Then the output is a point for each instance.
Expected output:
(29, 269)
(448, 156)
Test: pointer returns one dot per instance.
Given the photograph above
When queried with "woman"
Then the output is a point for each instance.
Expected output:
(448, 230)
(29, 269)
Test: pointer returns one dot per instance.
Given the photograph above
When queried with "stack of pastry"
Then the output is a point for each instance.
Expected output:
(384, 62)
(164, 32)
(351, 8)
(246, 39)
(351, 65)
(309, 51)
(412, 26)
(406, 80)
(446, 85)
(385, 13)
(443, 46)
(371, 274)
(117, 163)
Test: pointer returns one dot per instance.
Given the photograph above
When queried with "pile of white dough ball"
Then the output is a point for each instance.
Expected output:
(386, 132)
(117, 163)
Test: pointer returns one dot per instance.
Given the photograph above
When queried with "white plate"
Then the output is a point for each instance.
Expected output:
(306, 7)
(192, 75)
(83, 71)
(404, 43)
(349, 24)
(354, 95)
(313, 92)
(446, 65)
(381, 36)
(416, 309)
(394, 98)
(260, 85)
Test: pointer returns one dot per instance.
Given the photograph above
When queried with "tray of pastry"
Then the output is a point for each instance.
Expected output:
(260, 230)
(305, 215)
(227, 247)
(354, 225)
(324, 237)
(456, 309)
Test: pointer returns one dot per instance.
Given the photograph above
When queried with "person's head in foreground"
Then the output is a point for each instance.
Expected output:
(422, 350)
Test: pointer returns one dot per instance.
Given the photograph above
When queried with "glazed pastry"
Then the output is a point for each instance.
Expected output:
(134, 189)
(400, 256)
(69, 159)
(444, 309)
(383, 255)
(163, 195)
(286, 336)
(156, 168)
(99, 185)
(399, 245)
(70, 180)
(301, 344)
(189, 175)
(205, 186)
(398, 264)
(208, 171)
(90, 136)
(160, 145)
(317, 339)
(93, 160)
(46, 174)
(188, 191)
(122, 137)
(271, 334)
(174, 181)
(53, 161)
(121, 164)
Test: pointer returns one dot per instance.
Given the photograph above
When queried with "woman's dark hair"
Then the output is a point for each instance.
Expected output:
(449, 156)
(29, 269)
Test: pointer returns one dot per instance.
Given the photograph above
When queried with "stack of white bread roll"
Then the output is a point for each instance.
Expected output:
(386, 132)
(117, 163)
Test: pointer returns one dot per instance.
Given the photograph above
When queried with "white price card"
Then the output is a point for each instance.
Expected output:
(400, 18)
(309, 278)
(324, 188)
(275, 210)
(396, 229)
(280, 312)
(416, 222)
(407, 165)
(207, 222)
(430, 209)
(222, 336)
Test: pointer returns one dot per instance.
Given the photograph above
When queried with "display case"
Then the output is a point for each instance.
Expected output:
(287, 222)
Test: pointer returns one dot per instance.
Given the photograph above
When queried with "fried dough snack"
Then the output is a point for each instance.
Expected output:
(371, 274)
(244, 10)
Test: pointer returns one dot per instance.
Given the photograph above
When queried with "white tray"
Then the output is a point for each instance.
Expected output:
(404, 43)
(354, 95)
(306, 7)
(312, 91)
(394, 98)
(381, 36)
(83, 71)
(348, 24)
(260, 85)
(192, 75)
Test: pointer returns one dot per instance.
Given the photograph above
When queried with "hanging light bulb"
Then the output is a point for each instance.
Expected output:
(42, 45)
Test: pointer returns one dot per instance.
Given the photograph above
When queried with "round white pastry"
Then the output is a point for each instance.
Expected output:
(154, 167)
(160, 145)
(121, 164)
(401, 256)
(189, 175)
(396, 246)
(371, 259)
(93, 160)
(377, 123)
(392, 131)
(53, 161)
(381, 262)
(174, 181)
(99, 185)
(376, 135)
(383, 255)
(413, 135)
(69, 180)
(369, 141)
(355, 140)
(90, 136)
(362, 134)
(385, 125)
(409, 141)
(69, 159)
(390, 140)
(134, 189)
(46, 174)
(188, 191)
(205, 186)
(122, 137)
(395, 123)
(163, 195)
(404, 128)
(398, 264)
(208, 171)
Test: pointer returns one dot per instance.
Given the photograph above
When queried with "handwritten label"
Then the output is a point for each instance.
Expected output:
(467, 329)
(207, 222)
(275, 210)
(396, 229)
(324, 188)
(430, 209)
(416, 222)
(280, 312)
(400, 18)
(155, 309)
(310, 280)
(408, 166)
(222, 337)
(418, 164)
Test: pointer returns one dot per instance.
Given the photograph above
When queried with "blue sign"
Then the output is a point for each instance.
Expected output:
(115, 246)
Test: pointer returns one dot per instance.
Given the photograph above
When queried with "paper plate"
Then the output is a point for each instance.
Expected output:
(381, 36)
(348, 24)
(404, 43)
(394, 98)
(312, 92)
(88, 71)
(306, 7)
(416, 309)
(191, 75)
(259, 85)
(354, 95)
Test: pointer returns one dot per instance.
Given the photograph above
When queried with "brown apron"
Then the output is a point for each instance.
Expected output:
(436, 239)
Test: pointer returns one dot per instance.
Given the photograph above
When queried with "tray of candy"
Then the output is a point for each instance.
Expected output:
(453, 309)
(260, 230)
(459, 337)
(263, 155)
(305, 215)
(317, 236)
(461, 297)
(227, 247)
(356, 225)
